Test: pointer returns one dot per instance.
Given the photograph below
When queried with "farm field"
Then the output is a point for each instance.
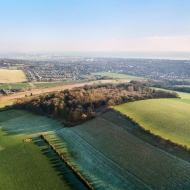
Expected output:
(183, 85)
(116, 75)
(30, 165)
(16, 86)
(168, 118)
(12, 76)
(131, 162)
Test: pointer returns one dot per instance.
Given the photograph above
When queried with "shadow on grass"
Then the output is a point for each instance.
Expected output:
(64, 172)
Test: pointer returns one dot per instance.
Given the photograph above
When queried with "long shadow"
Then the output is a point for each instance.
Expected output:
(64, 172)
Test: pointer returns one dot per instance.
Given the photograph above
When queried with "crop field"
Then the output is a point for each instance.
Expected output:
(12, 76)
(168, 118)
(15, 86)
(105, 150)
(116, 75)
(51, 84)
(28, 165)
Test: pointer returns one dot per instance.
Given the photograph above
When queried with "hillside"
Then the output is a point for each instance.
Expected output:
(168, 118)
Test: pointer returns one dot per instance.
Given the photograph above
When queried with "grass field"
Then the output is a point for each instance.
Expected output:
(116, 159)
(51, 84)
(28, 165)
(168, 118)
(12, 76)
(15, 86)
(116, 75)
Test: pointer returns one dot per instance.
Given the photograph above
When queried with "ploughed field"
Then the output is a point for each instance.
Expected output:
(103, 150)
(168, 118)
(111, 157)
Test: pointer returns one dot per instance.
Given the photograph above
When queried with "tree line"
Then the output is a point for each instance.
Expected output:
(168, 84)
(81, 103)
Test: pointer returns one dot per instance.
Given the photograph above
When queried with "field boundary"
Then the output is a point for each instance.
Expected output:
(68, 164)
(179, 150)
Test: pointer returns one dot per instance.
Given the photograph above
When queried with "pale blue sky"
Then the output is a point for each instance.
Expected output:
(94, 25)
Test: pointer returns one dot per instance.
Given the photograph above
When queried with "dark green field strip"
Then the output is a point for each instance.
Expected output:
(15, 86)
(25, 167)
(51, 84)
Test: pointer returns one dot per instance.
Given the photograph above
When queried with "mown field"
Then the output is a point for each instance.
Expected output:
(116, 159)
(116, 75)
(168, 118)
(12, 76)
(51, 84)
(30, 165)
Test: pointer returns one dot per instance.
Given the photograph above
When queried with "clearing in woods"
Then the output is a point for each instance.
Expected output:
(168, 118)
(12, 76)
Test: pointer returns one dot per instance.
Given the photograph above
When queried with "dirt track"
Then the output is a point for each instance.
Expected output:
(38, 91)
(47, 89)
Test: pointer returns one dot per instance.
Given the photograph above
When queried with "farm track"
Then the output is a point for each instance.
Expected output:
(37, 90)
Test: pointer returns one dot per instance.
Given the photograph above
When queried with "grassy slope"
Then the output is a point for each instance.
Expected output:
(168, 118)
(105, 150)
(23, 166)
(12, 76)
(116, 75)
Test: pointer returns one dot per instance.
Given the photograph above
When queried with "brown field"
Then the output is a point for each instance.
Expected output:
(12, 76)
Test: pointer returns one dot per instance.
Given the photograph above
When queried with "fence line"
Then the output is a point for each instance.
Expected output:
(68, 164)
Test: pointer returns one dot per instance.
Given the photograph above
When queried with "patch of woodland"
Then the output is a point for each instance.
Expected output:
(179, 150)
(77, 105)
(167, 84)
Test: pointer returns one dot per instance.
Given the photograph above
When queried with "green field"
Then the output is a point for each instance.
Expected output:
(116, 75)
(28, 165)
(183, 86)
(12, 76)
(51, 84)
(116, 159)
(102, 150)
(168, 118)
(15, 86)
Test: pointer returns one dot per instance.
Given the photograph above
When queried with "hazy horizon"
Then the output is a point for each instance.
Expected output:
(111, 54)
(109, 26)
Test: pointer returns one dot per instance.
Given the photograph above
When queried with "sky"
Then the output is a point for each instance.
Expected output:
(94, 25)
